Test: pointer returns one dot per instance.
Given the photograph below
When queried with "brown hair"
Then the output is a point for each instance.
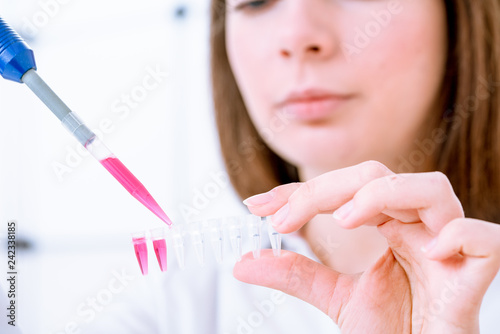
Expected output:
(468, 148)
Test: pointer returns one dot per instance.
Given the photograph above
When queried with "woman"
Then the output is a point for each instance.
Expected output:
(349, 106)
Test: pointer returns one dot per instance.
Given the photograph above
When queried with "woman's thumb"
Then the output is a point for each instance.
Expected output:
(298, 276)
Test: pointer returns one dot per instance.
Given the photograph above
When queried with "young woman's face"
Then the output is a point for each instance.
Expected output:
(330, 83)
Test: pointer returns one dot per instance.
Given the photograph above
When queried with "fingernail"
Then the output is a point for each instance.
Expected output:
(280, 216)
(429, 246)
(260, 199)
(344, 211)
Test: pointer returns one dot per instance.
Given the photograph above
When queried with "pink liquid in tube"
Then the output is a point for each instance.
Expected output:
(134, 186)
(141, 252)
(160, 247)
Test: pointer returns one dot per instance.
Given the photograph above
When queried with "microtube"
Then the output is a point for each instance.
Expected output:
(197, 240)
(234, 226)
(216, 236)
(274, 237)
(141, 250)
(178, 243)
(254, 225)
(160, 247)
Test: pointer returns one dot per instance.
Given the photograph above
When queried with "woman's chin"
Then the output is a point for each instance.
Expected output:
(315, 163)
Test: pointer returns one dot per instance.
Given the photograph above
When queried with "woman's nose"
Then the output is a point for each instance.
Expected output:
(309, 32)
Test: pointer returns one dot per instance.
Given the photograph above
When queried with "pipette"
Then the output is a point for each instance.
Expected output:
(17, 63)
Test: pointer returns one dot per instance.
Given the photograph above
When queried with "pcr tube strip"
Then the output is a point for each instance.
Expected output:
(201, 233)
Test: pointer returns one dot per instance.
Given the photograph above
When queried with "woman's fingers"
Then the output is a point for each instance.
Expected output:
(267, 204)
(475, 244)
(468, 237)
(426, 197)
(368, 193)
(300, 202)
(298, 276)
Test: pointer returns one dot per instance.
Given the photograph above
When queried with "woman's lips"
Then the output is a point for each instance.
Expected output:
(312, 105)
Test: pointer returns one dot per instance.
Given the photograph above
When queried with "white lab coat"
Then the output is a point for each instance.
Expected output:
(209, 300)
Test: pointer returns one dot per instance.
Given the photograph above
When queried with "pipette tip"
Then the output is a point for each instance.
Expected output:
(129, 181)
(158, 211)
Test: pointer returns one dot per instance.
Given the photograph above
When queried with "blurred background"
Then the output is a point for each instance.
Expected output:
(137, 73)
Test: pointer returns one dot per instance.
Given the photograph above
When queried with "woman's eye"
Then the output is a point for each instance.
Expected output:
(251, 5)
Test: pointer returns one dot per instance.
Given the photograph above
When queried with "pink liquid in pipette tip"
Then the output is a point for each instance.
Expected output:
(160, 247)
(141, 252)
(134, 186)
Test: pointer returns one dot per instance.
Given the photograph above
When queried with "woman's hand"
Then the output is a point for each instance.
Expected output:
(431, 279)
